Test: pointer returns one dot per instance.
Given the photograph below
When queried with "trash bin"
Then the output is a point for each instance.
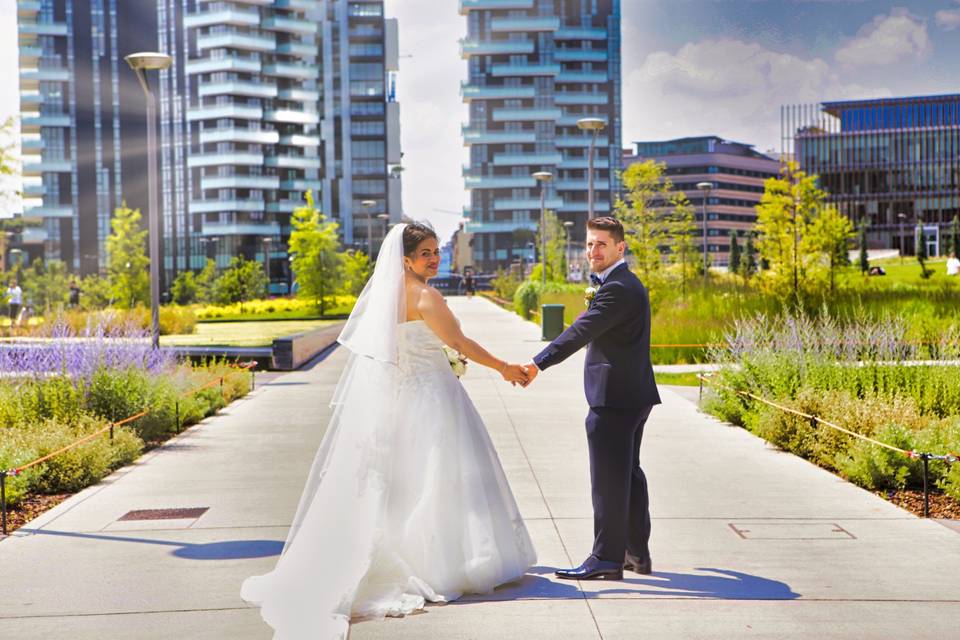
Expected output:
(551, 320)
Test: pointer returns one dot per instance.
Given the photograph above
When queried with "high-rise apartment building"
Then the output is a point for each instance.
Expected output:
(735, 173)
(536, 67)
(266, 99)
(893, 162)
(83, 123)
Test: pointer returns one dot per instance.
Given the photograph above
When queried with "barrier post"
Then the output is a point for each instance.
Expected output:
(925, 457)
(700, 397)
(111, 431)
(221, 387)
(178, 416)
(253, 378)
(3, 498)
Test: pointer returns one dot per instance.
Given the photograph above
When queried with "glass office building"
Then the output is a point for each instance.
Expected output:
(892, 161)
(266, 99)
(734, 170)
(534, 68)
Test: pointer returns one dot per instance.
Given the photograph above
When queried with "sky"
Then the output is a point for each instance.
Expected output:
(690, 67)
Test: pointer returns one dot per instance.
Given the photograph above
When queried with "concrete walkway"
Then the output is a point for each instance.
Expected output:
(747, 541)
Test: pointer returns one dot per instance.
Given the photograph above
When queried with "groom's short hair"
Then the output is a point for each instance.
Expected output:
(606, 223)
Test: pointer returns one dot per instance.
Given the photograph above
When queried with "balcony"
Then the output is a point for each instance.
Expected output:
(526, 70)
(566, 98)
(529, 204)
(293, 162)
(581, 185)
(231, 63)
(240, 229)
(301, 185)
(31, 142)
(28, 8)
(580, 55)
(581, 33)
(491, 5)
(525, 115)
(284, 206)
(43, 29)
(299, 95)
(473, 92)
(301, 49)
(31, 99)
(259, 3)
(498, 137)
(570, 119)
(302, 5)
(526, 159)
(579, 141)
(292, 116)
(505, 226)
(45, 211)
(34, 123)
(236, 134)
(219, 206)
(582, 77)
(239, 88)
(225, 158)
(215, 112)
(290, 25)
(581, 163)
(296, 71)
(578, 207)
(34, 76)
(297, 140)
(500, 182)
(244, 41)
(34, 190)
(28, 52)
(232, 16)
(239, 182)
(500, 47)
(47, 166)
(506, 25)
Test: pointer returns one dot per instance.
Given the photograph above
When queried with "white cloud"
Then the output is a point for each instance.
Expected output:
(725, 87)
(885, 40)
(948, 19)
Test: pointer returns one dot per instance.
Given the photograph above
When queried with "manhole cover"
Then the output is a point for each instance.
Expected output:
(791, 531)
(164, 514)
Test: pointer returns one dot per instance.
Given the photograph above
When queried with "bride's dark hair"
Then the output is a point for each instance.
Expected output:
(414, 234)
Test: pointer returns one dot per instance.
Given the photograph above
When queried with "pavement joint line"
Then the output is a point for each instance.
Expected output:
(122, 613)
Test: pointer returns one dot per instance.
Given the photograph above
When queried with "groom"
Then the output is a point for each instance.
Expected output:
(620, 389)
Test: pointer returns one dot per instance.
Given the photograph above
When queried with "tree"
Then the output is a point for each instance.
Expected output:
(830, 233)
(184, 288)
(9, 166)
(682, 225)
(97, 293)
(242, 281)
(556, 258)
(356, 272)
(313, 247)
(749, 264)
(46, 284)
(206, 282)
(734, 252)
(862, 241)
(128, 267)
(922, 251)
(647, 192)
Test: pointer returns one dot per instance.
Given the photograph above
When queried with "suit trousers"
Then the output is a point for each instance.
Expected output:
(621, 504)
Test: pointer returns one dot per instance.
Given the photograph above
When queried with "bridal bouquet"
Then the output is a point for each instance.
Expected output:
(457, 362)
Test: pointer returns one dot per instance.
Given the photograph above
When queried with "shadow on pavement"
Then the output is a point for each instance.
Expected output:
(728, 585)
(226, 550)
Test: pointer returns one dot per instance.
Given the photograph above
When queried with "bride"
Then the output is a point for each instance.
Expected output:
(406, 501)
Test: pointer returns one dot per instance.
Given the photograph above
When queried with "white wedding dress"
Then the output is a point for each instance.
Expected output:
(407, 501)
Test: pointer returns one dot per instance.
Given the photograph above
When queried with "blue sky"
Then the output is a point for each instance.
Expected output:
(690, 67)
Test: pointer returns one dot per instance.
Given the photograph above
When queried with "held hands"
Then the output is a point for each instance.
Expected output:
(514, 374)
(532, 371)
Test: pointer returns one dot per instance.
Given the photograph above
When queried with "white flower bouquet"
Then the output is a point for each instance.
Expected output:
(588, 295)
(457, 362)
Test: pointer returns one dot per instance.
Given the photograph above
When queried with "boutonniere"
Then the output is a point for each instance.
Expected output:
(588, 295)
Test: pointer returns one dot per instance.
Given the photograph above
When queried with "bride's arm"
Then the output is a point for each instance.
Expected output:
(433, 308)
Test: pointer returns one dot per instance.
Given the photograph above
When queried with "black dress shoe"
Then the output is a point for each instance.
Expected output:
(593, 568)
(638, 564)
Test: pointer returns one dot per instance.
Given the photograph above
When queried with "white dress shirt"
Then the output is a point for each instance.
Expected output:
(606, 272)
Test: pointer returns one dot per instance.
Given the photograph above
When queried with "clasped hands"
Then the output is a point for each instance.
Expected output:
(519, 374)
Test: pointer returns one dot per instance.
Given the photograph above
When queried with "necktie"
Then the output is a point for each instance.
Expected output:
(595, 280)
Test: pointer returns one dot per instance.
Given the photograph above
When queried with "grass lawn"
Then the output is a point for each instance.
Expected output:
(681, 379)
(241, 334)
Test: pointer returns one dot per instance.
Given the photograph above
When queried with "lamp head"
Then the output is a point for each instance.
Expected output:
(368, 203)
(148, 61)
(591, 124)
(705, 186)
(542, 176)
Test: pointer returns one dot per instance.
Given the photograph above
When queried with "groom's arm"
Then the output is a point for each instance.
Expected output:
(608, 309)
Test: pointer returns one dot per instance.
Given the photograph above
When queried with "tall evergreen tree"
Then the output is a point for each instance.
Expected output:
(128, 266)
(862, 241)
(734, 252)
(749, 265)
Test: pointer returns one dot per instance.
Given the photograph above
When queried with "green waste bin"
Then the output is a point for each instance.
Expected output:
(551, 316)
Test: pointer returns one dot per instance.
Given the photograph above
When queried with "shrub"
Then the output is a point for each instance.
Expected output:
(526, 298)
(874, 467)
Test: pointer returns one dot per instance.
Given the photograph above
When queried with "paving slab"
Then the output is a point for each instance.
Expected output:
(747, 541)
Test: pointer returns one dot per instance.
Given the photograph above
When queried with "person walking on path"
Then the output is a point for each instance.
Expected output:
(15, 302)
(621, 391)
(468, 284)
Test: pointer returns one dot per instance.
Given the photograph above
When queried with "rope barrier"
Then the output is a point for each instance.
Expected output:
(16, 471)
(924, 457)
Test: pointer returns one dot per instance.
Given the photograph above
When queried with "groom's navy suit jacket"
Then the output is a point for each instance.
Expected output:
(616, 331)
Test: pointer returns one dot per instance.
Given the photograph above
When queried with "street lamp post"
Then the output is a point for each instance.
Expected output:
(704, 188)
(141, 63)
(543, 177)
(385, 217)
(594, 125)
(903, 235)
(368, 207)
(266, 259)
(568, 224)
